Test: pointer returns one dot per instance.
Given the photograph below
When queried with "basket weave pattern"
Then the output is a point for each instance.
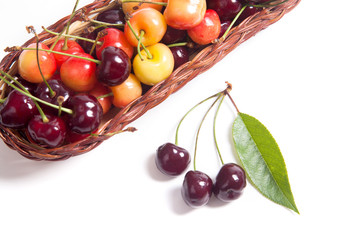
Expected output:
(203, 61)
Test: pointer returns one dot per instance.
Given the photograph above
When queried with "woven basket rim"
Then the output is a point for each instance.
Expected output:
(201, 62)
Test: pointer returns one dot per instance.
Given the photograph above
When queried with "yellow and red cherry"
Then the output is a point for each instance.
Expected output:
(126, 92)
(130, 7)
(28, 66)
(184, 14)
(51, 133)
(17, 110)
(151, 71)
(208, 30)
(148, 20)
(101, 92)
(72, 47)
(79, 74)
(114, 68)
(116, 38)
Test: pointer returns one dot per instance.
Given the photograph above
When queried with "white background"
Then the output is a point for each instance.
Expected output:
(298, 77)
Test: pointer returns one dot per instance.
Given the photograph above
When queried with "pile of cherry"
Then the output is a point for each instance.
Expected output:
(62, 91)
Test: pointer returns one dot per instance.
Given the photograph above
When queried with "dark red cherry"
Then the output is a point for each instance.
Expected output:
(181, 55)
(86, 45)
(248, 11)
(113, 16)
(47, 134)
(171, 159)
(173, 35)
(226, 9)
(197, 189)
(87, 113)
(229, 182)
(17, 110)
(224, 26)
(115, 66)
(60, 90)
(26, 84)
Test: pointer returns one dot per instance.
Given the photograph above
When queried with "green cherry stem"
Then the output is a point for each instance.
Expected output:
(233, 22)
(10, 49)
(105, 24)
(141, 1)
(65, 47)
(186, 114)
(201, 123)
(214, 127)
(178, 44)
(70, 36)
(67, 110)
(149, 56)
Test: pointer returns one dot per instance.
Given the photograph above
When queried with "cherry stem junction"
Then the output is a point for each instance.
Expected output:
(149, 56)
(26, 93)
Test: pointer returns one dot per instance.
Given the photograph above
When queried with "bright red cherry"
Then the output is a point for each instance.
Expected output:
(72, 48)
(116, 38)
(208, 30)
(79, 74)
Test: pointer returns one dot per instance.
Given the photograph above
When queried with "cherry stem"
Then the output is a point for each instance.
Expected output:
(233, 21)
(70, 36)
(26, 93)
(41, 112)
(56, 52)
(214, 127)
(178, 44)
(142, 32)
(182, 119)
(110, 94)
(232, 101)
(129, 129)
(201, 123)
(141, 2)
(269, 3)
(149, 56)
(2, 100)
(65, 47)
(52, 93)
(105, 24)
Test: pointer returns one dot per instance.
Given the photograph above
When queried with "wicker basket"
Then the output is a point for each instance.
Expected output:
(201, 62)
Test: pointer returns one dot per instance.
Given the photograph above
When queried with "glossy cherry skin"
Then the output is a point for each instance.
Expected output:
(31, 87)
(207, 30)
(248, 11)
(226, 9)
(116, 38)
(196, 189)
(72, 48)
(47, 134)
(230, 182)
(42, 91)
(17, 110)
(113, 16)
(181, 55)
(115, 66)
(171, 159)
(148, 20)
(87, 113)
(224, 26)
(126, 92)
(157, 69)
(79, 74)
(28, 66)
(184, 14)
(173, 35)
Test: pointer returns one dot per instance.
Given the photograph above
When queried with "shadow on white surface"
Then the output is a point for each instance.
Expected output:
(13, 165)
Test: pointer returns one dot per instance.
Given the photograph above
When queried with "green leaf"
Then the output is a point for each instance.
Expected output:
(262, 160)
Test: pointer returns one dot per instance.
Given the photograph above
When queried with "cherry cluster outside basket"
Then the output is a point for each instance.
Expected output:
(201, 62)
